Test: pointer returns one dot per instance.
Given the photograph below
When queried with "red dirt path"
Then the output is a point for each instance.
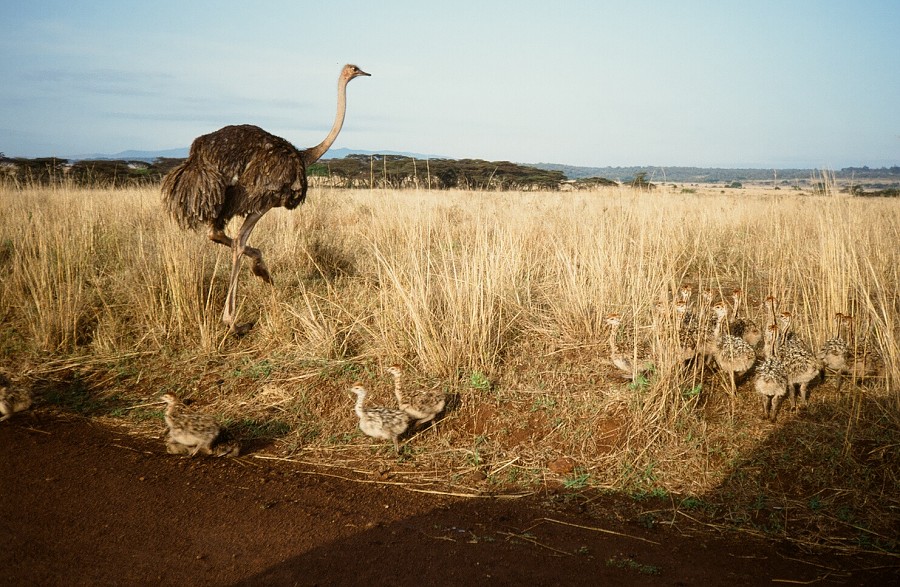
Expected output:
(88, 505)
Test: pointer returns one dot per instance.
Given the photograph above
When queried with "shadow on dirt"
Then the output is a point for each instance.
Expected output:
(528, 542)
(826, 475)
(799, 504)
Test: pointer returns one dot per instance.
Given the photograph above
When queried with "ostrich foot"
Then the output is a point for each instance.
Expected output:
(260, 270)
(240, 330)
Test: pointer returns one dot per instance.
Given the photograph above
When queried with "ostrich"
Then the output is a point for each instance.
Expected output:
(422, 405)
(379, 421)
(733, 354)
(189, 432)
(244, 171)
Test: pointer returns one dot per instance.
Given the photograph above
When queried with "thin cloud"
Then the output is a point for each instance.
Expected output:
(104, 81)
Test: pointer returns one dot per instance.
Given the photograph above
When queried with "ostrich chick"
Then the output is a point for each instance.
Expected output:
(687, 330)
(800, 363)
(771, 381)
(13, 399)
(634, 359)
(733, 354)
(835, 351)
(379, 422)
(189, 432)
(745, 328)
(422, 405)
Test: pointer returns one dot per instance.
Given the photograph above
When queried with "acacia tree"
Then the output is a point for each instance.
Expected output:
(640, 181)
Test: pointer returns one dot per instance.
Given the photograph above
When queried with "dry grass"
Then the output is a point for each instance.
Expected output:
(499, 299)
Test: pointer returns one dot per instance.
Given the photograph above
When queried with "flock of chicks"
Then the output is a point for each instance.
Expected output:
(419, 406)
(190, 432)
(784, 370)
(787, 364)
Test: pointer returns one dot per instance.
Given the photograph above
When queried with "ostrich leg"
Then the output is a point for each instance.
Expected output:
(238, 249)
(217, 235)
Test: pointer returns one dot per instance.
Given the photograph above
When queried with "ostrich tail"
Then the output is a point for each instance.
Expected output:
(193, 194)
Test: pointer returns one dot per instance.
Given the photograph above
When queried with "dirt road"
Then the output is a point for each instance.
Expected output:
(88, 505)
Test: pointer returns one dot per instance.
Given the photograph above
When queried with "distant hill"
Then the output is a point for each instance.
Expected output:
(658, 174)
(182, 152)
(133, 155)
(358, 170)
(343, 152)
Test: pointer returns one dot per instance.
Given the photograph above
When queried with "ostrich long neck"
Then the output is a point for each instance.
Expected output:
(613, 338)
(717, 329)
(313, 154)
(360, 401)
(770, 348)
(172, 412)
(397, 391)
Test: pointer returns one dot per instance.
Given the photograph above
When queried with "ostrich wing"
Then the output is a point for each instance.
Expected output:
(237, 170)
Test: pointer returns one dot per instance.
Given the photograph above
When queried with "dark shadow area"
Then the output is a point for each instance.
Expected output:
(70, 393)
(538, 542)
(797, 508)
(827, 475)
(75, 394)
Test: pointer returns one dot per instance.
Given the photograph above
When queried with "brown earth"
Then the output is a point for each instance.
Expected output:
(85, 504)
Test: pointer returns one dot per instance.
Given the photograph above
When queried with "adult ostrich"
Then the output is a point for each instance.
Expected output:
(244, 171)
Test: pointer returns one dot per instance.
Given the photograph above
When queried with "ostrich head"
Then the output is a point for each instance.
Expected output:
(784, 321)
(720, 309)
(351, 71)
(847, 322)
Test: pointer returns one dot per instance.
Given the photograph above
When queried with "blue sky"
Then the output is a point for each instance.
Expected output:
(715, 83)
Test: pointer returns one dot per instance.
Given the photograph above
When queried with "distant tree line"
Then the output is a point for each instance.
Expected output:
(866, 172)
(360, 171)
(94, 173)
(400, 172)
(716, 174)
(395, 171)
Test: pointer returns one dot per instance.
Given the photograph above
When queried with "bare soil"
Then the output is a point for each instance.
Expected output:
(86, 504)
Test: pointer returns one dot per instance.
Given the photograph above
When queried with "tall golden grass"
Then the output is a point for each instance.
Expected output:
(497, 297)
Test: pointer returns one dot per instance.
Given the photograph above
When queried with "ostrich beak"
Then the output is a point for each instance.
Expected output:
(361, 72)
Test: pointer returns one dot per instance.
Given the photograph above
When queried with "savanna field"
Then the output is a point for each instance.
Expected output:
(500, 300)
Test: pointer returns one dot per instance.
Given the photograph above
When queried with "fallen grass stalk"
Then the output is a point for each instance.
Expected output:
(534, 541)
(540, 521)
